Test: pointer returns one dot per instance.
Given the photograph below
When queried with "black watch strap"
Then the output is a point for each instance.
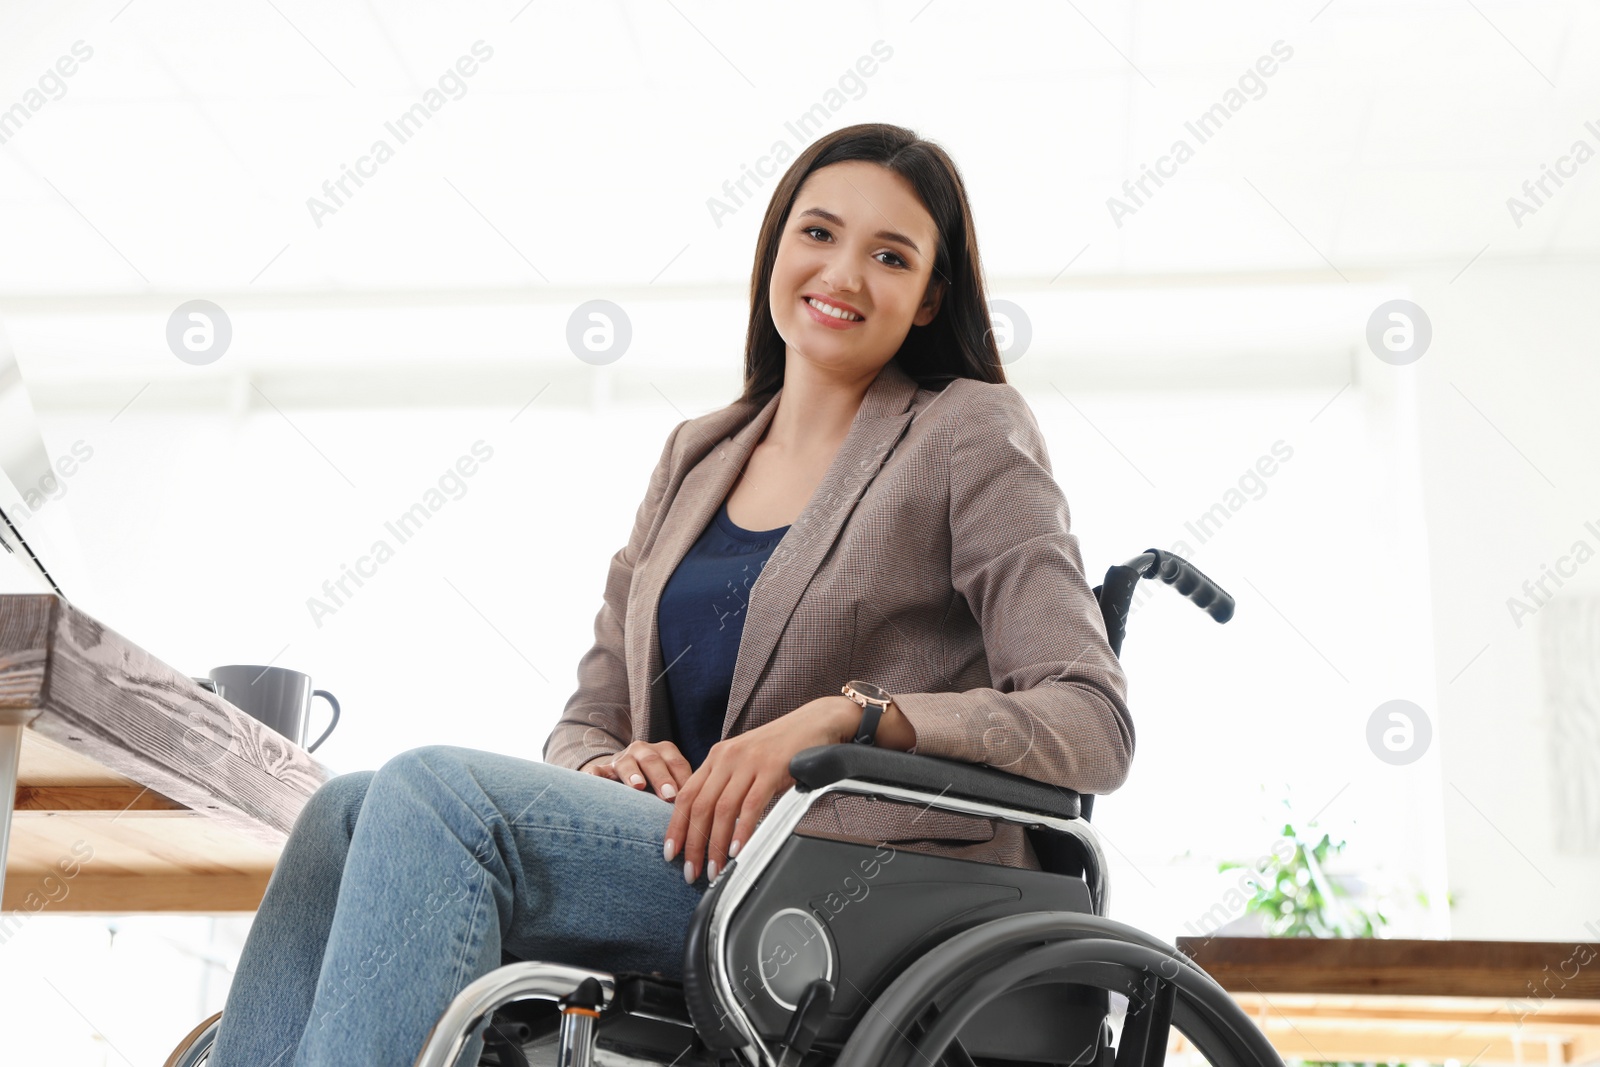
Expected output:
(873, 702)
(867, 732)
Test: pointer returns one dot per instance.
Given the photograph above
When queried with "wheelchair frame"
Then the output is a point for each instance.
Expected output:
(516, 981)
(968, 969)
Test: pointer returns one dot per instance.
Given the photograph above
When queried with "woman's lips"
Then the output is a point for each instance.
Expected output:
(829, 320)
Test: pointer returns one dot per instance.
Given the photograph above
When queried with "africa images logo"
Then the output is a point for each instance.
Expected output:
(337, 192)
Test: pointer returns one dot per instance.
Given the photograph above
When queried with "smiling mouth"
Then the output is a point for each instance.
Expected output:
(824, 308)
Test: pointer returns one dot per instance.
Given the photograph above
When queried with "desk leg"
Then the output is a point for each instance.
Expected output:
(10, 758)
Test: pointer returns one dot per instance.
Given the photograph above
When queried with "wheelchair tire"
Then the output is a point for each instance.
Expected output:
(921, 1013)
(195, 1048)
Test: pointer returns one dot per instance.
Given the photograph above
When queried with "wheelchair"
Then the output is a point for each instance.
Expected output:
(816, 952)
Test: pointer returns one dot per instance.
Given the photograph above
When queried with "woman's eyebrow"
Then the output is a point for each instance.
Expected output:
(887, 235)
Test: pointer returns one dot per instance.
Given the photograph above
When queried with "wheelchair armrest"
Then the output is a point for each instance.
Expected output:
(824, 764)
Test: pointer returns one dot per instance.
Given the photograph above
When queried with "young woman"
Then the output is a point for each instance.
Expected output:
(893, 496)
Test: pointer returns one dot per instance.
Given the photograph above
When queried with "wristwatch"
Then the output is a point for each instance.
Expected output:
(874, 702)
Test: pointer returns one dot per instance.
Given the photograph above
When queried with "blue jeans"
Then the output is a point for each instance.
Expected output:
(397, 888)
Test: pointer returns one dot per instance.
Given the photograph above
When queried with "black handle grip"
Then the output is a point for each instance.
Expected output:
(1187, 579)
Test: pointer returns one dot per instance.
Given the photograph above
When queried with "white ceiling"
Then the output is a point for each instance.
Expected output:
(181, 155)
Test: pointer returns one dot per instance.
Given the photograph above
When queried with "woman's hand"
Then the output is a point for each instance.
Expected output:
(740, 775)
(600, 769)
(654, 765)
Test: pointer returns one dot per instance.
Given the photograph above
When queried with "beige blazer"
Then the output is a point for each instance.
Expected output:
(934, 559)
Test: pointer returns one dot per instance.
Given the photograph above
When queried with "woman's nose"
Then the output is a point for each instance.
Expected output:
(840, 278)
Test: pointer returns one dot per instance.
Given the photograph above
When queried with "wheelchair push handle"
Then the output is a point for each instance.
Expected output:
(1187, 579)
(1115, 595)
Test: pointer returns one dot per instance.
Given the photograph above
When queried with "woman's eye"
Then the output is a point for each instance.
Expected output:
(898, 261)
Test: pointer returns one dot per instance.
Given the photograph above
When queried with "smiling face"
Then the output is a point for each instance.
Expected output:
(857, 238)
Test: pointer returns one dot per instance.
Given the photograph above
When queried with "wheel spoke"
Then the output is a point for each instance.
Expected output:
(1166, 992)
(1145, 1028)
(955, 1054)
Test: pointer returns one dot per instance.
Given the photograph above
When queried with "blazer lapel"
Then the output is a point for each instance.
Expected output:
(881, 420)
(884, 414)
(714, 461)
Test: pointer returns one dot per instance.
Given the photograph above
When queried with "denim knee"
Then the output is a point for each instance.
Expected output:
(337, 802)
(431, 763)
(423, 761)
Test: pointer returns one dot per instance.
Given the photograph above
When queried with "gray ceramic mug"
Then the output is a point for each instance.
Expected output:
(277, 696)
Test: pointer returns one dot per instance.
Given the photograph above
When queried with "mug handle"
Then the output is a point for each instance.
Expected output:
(207, 684)
(324, 694)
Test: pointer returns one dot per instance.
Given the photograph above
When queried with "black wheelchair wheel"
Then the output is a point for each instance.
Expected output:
(919, 1016)
(195, 1048)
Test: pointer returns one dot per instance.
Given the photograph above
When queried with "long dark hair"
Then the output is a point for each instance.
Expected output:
(959, 342)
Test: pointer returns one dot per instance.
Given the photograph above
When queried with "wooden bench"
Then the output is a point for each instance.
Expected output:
(1391, 999)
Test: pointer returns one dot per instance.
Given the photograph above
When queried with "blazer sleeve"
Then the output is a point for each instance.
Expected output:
(597, 720)
(1057, 712)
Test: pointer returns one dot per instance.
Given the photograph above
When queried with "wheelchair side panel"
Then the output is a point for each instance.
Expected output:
(858, 915)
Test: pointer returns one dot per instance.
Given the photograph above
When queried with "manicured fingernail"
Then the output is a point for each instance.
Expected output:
(733, 850)
(669, 790)
(637, 779)
(688, 873)
(670, 849)
(711, 870)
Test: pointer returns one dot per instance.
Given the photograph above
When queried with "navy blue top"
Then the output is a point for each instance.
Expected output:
(700, 621)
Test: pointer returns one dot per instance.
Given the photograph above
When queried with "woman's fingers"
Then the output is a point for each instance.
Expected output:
(678, 762)
(626, 768)
(692, 820)
(678, 827)
(653, 765)
(710, 824)
(658, 774)
(754, 802)
(736, 808)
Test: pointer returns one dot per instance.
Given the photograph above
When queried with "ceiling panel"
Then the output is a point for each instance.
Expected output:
(593, 144)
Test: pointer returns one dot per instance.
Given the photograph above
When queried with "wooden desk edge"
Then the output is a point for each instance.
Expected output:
(81, 684)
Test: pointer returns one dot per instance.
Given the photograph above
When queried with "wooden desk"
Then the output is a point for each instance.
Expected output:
(1478, 1002)
(135, 789)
